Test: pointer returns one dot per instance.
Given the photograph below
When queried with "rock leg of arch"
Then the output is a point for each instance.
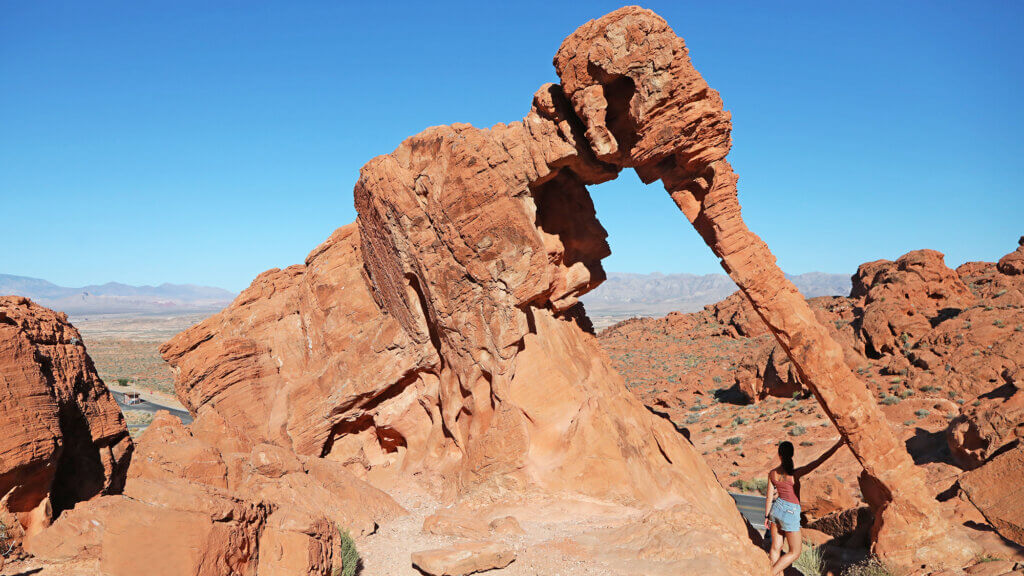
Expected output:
(644, 106)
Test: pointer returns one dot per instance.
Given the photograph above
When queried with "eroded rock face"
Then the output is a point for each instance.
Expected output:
(62, 437)
(442, 336)
(208, 512)
(644, 106)
(902, 299)
(996, 490)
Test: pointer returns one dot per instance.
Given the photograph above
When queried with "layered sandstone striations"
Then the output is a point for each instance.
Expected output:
(63, 439)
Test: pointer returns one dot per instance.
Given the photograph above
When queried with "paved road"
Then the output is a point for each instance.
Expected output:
(147, 406)
(752, 508)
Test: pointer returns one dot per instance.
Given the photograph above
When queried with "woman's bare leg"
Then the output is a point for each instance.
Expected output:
(787, 559)
(776, 549)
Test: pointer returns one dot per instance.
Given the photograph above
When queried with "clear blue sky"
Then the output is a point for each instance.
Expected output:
(205, 142)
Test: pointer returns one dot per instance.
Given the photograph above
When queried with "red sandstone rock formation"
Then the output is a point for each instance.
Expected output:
(62, 437)
(644, 106)
(1013, 263)
(443, 338)
(206, 512)
(463, 559)
(997, 491)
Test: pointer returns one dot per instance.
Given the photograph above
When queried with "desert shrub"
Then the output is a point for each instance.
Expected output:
(870, 567)
(733, 441)
(759, 485)
(740, 420)
(807, 443)
(138, 418)
(921, 413)
(692, 419)
(905, 393)
(790, 404)
(788, 424)
(6, 541)
(889, 400)
(998, 323)
(797, 431)
(810, 562)
(908, 422)
(930, 388)
(123, 381)
(349, 556)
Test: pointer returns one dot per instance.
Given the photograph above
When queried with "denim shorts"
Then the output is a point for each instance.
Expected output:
(786, 514)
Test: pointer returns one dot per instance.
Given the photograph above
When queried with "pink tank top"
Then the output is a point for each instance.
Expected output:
(785, 489)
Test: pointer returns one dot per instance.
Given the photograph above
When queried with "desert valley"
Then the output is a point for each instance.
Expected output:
(432, 392)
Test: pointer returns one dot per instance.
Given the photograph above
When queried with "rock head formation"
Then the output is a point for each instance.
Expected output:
(439, 339)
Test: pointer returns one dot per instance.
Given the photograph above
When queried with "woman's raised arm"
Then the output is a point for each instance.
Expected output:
(804, 470)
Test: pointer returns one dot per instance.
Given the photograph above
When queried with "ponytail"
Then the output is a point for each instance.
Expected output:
(786, 454)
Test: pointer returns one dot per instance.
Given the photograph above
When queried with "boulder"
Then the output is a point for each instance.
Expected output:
(62, 437)
(988, 425)
(1013, 263)
(463, 559)
(997, 491)
(823, 494)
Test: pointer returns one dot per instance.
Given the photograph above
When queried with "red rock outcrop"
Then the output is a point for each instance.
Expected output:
(997, 491)
(207, 512)
(988, 425)
(903, 298)
(644, 106)
(1013, 263)
(62, 437)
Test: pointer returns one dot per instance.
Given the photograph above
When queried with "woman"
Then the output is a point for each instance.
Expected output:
(784, 514)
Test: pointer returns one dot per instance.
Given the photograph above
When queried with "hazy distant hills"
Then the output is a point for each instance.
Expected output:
(624, 295)
(116, 298)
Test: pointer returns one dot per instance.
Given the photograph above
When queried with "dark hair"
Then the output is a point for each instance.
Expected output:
(786, 453)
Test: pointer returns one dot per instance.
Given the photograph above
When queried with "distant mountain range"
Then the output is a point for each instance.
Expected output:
(624, 295)
(116, 298)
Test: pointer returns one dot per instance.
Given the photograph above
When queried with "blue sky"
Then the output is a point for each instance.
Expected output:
(205, 142)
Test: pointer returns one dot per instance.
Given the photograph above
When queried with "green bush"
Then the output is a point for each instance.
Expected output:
(889, 400)
(921, 413)
(810, 562)
(788, 424)
(759, 485)
(733, 441)
(349, 556)
(123, 381)
(797, 431)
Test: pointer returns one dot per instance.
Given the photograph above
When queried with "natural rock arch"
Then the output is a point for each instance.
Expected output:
(441, 336)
